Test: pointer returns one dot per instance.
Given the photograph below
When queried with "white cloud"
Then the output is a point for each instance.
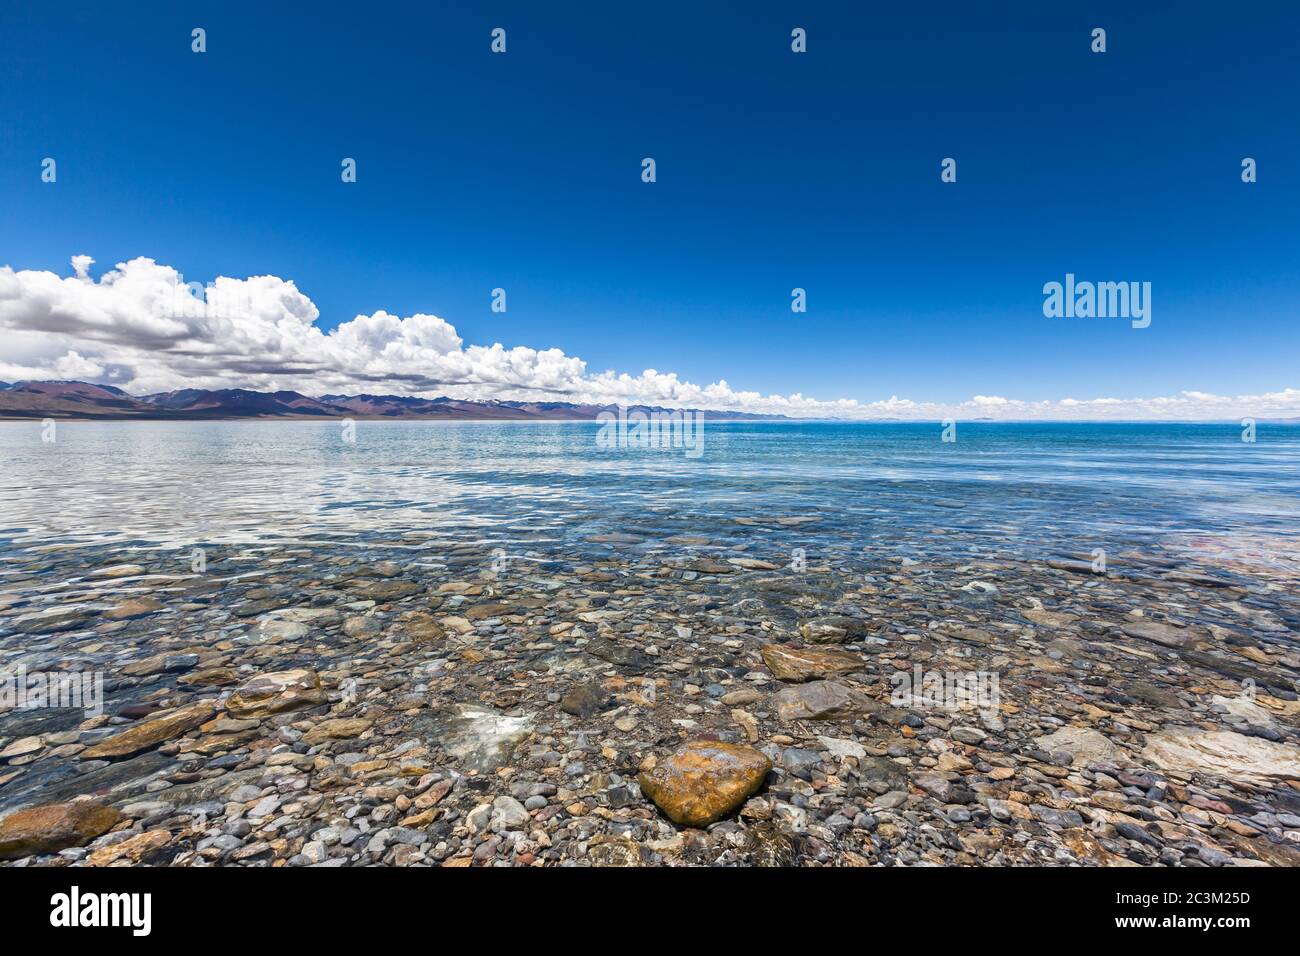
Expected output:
(140, 327)
(73, 366)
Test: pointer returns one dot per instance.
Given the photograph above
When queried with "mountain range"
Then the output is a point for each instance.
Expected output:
(84, 400)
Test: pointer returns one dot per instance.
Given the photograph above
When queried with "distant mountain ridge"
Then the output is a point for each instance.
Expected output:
(84, 400)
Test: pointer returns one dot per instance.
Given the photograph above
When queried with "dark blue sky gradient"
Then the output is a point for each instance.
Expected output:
(775, 170)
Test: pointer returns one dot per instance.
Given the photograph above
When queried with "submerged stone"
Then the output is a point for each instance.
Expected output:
(480, 737)
(151, 732)
(54, 827)
(822, 700)
(1223, 753)
(1083, 744)
(704, 781)
(803, 664)
(276, 693)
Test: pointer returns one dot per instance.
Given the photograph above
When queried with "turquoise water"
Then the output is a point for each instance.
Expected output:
(546, 489)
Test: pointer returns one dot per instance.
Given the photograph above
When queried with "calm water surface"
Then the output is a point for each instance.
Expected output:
(546, 489)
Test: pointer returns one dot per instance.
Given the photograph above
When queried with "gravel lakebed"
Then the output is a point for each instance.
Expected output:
(655, 699)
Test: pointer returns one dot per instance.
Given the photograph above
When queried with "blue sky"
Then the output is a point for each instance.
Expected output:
(775, 170)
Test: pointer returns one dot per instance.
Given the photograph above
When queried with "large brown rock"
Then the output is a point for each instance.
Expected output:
(210, 677)
(704, 781)
(802, 664)
(340, 728)
(276, 693)
(54, 827)
(383, 591)
(481, 612)
(1223, 753)
(152, 732)
(822, 700)
(835, 629)
(418, 626)
(1165, 634)
(1083, 744)
(130, 851)
(133, 608)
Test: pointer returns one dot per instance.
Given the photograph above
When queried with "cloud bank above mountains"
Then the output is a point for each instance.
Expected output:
(142, 328)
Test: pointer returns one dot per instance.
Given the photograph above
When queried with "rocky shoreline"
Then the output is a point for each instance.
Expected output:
(357, 704)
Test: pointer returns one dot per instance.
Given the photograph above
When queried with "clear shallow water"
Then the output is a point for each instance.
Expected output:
(545, 489)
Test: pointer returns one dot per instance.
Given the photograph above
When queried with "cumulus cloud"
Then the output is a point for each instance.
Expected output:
(81, 266)
(141, 327)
